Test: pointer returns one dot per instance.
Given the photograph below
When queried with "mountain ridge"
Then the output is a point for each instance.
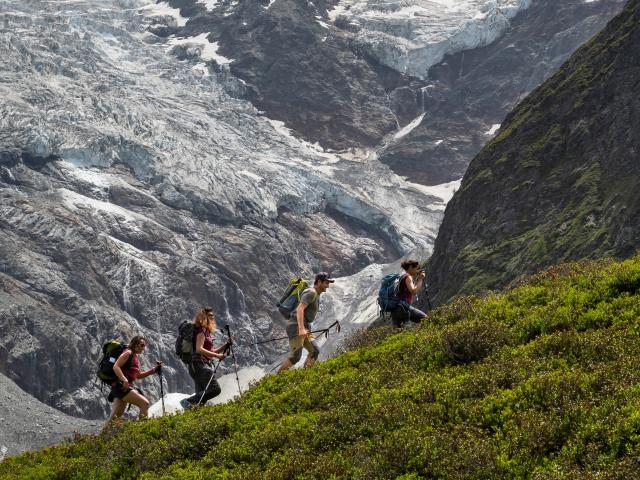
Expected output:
(556, 183)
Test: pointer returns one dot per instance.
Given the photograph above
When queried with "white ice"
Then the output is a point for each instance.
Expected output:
(494, 128)
(164, 9)
(407, 129)
(209, 50)
(410, 36)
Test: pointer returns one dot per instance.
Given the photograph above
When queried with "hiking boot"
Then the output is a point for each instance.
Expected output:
(184, 403)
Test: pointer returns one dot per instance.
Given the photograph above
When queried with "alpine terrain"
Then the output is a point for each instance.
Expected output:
(159, 157)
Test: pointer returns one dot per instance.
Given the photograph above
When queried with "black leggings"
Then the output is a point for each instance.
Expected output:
(201, 373)
(403, 313)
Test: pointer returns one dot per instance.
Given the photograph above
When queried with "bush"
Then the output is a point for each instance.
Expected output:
(540, 382)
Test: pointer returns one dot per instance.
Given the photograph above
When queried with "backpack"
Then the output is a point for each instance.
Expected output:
(388, 298)
(110, 353)
(289, 301)
(184, 341)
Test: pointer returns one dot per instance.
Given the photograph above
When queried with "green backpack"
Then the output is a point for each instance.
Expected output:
(289, 301)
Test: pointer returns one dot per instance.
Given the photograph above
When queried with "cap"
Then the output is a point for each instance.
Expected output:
(323, 277)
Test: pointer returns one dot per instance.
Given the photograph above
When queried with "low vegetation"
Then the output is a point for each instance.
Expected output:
(539, 382)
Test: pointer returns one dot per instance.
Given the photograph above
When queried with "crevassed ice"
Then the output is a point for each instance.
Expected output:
(411, 36)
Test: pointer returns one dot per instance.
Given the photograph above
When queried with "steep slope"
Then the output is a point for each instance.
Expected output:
(540, 382)
(559, 180)
(351, 73)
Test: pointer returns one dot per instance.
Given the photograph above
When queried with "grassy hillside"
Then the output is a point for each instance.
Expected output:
(539, 382)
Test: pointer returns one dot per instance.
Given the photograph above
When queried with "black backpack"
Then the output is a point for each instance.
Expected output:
(184, 341)
(110, 353)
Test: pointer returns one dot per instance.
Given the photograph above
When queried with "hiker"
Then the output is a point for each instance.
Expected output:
(300, 321)
(406, 290)
(127, 371)
(201, 366)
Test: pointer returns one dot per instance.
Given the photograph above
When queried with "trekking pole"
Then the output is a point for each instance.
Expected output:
(426, 292)
(209, 382)
(161, 387)
(233, 355)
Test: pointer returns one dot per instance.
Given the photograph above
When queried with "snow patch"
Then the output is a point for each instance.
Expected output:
(494, 128)
(209, 50)
(228, 383)
(209, 4)
(443, 191)
(407, 129)
(163, 9)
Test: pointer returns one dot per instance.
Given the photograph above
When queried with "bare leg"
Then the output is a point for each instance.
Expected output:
(139, 401)
(117, 409)
(311, 352)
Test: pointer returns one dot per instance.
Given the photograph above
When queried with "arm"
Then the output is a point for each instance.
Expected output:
(221, 349)
(415, 288)
(300, 317)
(204, 352)
(151, 371)
(117, 367)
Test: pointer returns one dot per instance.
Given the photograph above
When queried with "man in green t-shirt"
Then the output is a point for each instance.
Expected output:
(299, 324)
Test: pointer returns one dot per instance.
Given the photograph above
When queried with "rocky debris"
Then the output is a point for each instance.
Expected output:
(558, 183)
(28, 424)
(469, 93)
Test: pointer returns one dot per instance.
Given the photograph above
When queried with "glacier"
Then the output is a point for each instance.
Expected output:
(411, 36)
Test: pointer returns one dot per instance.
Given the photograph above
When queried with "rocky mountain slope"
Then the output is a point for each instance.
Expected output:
(539, 382)
(136, 187)
(559, 180)
(365, 68)
(27, 423)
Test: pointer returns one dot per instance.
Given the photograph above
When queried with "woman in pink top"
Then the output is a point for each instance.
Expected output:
(407, 289)
(127, 369)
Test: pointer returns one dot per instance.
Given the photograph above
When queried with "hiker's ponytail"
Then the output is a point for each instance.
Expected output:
(407, 264)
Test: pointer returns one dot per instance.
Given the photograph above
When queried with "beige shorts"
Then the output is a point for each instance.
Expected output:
(296, 344)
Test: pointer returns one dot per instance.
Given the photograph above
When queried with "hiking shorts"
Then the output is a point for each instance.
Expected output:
(296, 344)
(405, 313)
(118, 391)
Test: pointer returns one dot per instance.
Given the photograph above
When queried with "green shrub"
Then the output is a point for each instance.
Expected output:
(540, 382)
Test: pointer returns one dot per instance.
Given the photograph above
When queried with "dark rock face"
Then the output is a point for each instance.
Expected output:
(471, 91)
(302, 72)
(559, 182)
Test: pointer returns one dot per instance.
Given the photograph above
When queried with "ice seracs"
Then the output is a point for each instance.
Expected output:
(411, 36)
